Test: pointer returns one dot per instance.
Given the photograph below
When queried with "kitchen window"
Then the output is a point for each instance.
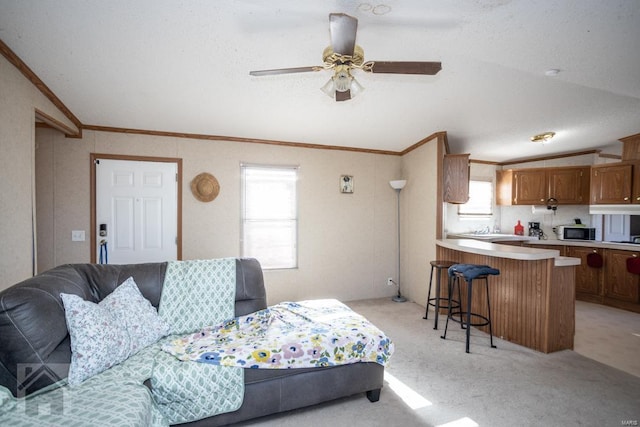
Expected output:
(480, 203)
(269, 210)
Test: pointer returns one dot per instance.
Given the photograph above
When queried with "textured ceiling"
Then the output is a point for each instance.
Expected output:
(183, 66)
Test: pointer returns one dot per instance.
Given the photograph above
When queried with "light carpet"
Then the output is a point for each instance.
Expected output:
(433, 382)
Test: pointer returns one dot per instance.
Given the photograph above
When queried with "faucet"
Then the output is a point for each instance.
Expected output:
(484, 230)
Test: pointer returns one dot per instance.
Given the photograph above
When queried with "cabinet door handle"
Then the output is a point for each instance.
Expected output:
(626, 198)
(542, 200)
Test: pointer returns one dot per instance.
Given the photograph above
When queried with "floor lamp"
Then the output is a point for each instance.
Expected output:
(398, 185)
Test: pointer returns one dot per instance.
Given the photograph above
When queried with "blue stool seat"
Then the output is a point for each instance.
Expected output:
(469, 272)
(472, 271)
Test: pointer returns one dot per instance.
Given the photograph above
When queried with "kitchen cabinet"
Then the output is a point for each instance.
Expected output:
(455, 182)
(569, 186)
(588, 279)
(611, 284)
(530, 187)
(619, 284)
(611, 183)
(635, 183)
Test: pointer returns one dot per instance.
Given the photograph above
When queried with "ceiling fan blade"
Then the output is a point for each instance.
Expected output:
(285, 71)
(343, 33)
(400, 67)
(343, 96)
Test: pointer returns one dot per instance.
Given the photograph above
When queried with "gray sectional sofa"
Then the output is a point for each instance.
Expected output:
(33, 333)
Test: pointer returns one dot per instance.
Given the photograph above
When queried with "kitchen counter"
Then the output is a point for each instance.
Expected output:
(533, 297)
(503, 251)
(497, 238)
(491, 237)
(588, 244)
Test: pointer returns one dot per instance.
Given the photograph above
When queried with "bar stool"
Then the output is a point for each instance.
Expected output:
(469, 273)
(434, 302)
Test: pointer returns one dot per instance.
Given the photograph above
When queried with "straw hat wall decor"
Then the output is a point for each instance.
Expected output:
(205, 187)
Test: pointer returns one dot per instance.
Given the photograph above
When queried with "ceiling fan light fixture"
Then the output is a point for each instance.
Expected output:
(543, 138)
(329, 88)
(342, 81)
(356, 87)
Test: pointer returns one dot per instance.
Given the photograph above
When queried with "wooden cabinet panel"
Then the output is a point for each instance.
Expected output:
(611, 183)
(635, 183)
(504, 190)
(530, 187)
(631, 147)
(588, 279)
(569, 186)
(455, 182)
(619, 283)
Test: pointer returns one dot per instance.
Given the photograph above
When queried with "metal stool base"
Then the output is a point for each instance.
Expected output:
(436, 302)
(468, 314)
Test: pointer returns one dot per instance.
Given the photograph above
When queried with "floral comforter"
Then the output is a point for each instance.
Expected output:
(304, 334)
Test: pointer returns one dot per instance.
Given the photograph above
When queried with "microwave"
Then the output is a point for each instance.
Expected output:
(567, 232)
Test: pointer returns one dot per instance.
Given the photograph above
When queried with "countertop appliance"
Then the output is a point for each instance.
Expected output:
(535, 230)
(569, 232)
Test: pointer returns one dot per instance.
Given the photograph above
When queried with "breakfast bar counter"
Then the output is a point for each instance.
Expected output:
(533, 298)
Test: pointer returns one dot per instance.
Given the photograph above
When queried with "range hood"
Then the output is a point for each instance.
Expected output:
(615, 209)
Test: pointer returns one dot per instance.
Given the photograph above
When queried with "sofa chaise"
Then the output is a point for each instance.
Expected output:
(34, 334)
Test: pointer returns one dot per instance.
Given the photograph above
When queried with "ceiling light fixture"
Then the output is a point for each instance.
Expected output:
(543, 138)
(552, 72)
(342, 81)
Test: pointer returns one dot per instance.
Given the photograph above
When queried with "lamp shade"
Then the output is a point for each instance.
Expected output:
(398, 184)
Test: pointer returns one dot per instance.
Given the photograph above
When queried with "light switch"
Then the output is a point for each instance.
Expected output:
(77, 236)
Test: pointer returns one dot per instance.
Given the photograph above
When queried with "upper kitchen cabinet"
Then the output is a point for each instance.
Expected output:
(568, 185)
(618, 183)
(631, 147)
(612, 183)
(455, 181)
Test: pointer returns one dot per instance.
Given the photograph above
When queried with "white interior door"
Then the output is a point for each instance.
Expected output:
(138, 202)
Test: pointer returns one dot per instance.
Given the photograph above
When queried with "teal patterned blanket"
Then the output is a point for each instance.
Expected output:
(195, 294)
(304, 334)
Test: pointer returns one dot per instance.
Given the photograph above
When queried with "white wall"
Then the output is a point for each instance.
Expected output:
(18, 101)
(347, 242)
(419, 207)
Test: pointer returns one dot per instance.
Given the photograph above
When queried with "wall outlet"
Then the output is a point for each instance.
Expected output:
(390, 281)
(77, 236)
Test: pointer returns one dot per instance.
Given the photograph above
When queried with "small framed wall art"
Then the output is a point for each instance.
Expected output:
(346, 183)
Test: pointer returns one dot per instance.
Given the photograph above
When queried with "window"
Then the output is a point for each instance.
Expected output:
(480, 200)
(270, 215)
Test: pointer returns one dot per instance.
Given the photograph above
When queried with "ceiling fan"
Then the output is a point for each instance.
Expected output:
(343, 56)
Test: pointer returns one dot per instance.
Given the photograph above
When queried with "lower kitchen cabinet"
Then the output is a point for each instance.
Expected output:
(588, 279)
(612, 284)
(620, 285)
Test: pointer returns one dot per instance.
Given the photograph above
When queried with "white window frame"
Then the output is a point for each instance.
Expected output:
(471, 209)
(255, 237)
